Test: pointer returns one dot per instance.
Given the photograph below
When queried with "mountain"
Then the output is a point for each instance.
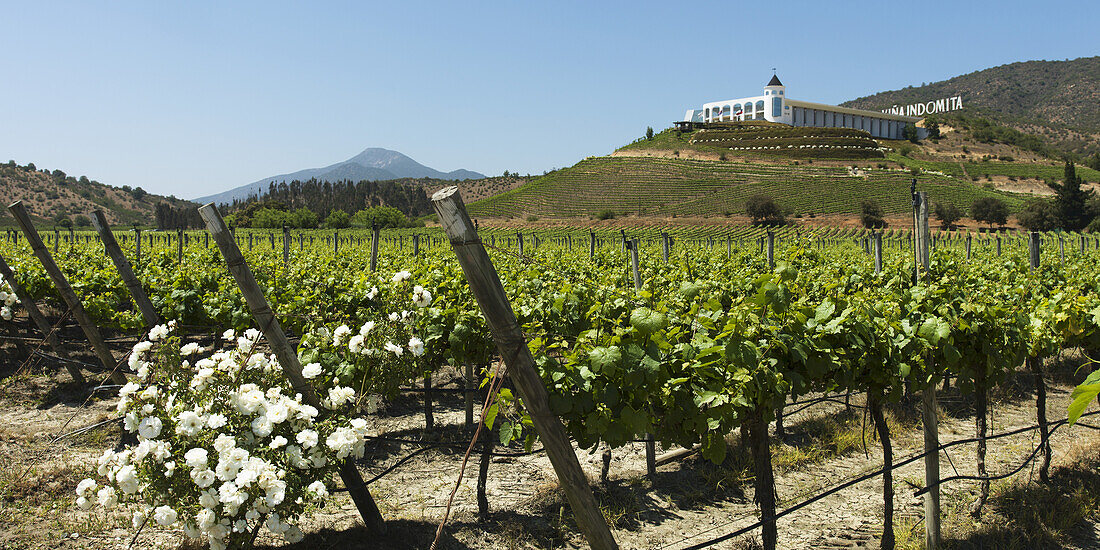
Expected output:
(1056, 100)
(374, 163)
(53, 196)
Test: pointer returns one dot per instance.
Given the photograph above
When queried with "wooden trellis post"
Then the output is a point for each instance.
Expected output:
(148, 312)
(288, 359)
(40, 321)
(71, 299)
(486, 287)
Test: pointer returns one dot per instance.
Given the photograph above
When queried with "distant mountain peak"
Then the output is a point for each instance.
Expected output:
(373, 163)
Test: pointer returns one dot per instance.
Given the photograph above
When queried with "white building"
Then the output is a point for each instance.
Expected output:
(775, 106)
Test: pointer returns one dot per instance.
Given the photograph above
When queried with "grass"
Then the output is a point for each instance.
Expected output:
(1021, 514)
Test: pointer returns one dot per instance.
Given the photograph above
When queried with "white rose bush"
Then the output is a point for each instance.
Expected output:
(224, 446)
(8, 301)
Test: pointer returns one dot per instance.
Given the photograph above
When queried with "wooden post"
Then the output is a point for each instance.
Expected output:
(148, 312)
(998, 245)
(137, 245)
(878, 252)
(1036, 367)
(968, 247)
(374, 248)
(771, 249)
(66, 291)
(664, 246)
(179, 248)
(1033, 243)
(591, 245)
(470, 385)
(336, 242)
(416, 246)
(519, 241)
(930, 420)
(1062, 249)
(286, 246)
(40, 321)
(486, 287)
(288, 359)
(650, 445)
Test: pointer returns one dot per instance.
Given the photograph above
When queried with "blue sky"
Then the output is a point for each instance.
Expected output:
(198, 97)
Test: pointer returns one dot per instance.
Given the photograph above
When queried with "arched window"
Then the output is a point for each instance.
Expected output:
(727, 112)
(760, 110)
(707, 116)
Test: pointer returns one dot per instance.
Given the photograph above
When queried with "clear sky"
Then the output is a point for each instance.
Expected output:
(193, 98)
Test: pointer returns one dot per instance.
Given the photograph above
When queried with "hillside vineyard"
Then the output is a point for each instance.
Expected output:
(702, 340)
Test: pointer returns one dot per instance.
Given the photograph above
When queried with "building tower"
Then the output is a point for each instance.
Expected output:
(775, 106)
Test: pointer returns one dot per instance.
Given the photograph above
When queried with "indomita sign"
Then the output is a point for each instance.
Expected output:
(928, 108)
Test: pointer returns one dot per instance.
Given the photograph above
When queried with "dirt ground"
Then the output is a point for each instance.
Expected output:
(689, 501)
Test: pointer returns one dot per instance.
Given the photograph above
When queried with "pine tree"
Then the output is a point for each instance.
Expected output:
(1071, 201)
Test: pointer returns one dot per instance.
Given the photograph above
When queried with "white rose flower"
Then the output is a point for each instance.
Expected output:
(421, 297)
(355, 344)
(262, 426)
(85, 487)
(394, 349)
(293, 534)
(317, 489)
(216, 421)
(189, 423)
(373, 292)
(311, 370)
(127, 480)
(306, 438)
(400, 276)
(224, 444)
(416, 346)
(84, 504)
(190, 348)
(149, 428)
(202, 478)
(341, 332)
(205, 519)
(107, 497)
(196, 458)
(276, 442)
(164, 515)
(366, 328)
(138, 519)
(158, 332)
(229, 334)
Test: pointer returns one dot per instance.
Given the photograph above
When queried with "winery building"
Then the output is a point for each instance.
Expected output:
(775, 106)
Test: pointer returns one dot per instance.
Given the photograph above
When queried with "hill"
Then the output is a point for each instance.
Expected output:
(51, 196)
(658, 186)
(373, 164)
(1056, 100)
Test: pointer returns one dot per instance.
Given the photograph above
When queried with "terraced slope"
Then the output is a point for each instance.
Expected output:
(664, 187)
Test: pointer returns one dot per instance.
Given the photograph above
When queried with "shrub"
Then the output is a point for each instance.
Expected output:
(532, 218)
(82, 221)
(337, 219)
(990, 210)
(871, 214)
(948, 214)
(606, 214)
(764, 211)
(1038, 215)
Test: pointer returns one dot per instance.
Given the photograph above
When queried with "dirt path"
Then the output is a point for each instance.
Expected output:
(691, 501)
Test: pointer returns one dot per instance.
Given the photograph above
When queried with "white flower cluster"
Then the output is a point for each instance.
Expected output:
(222, 445)
(9, 299)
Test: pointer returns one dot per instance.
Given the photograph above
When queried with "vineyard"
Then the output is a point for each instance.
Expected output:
(700, 374)
(675, 187)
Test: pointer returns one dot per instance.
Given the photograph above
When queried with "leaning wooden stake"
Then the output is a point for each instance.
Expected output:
(66, 291)
(40, 321)
(288, 359)
(486, 287)
(148, 312)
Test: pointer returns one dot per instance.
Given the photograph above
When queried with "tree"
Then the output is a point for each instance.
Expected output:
(948, 214)
(1094, 161)
(1071, 201)
(910, 132)
(990, 210)
(83, 221)
(871, 215)
(764, 211)
(649, 132)
(933, 128)
(64, 222)
(337, 219)
(1038, 215)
